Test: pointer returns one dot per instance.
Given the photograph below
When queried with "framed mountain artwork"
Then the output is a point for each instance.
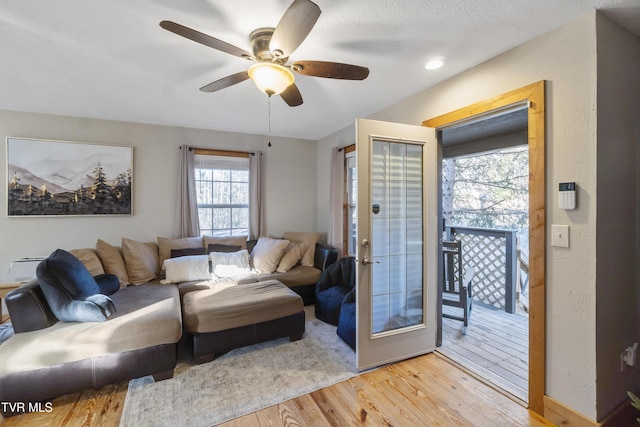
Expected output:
(53, 178)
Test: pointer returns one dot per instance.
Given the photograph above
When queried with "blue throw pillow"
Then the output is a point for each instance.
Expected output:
(72, 293)
(108, 284)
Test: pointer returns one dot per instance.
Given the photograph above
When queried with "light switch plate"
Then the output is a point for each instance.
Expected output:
(560, 236)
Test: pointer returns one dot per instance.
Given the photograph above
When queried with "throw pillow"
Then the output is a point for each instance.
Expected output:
(267, 254)
(108, 283)
(165, 245)
(216, 247)
(71, 291)
(112, 261)
(226, 240)
(177, 253)
(186, 268)
(228, 264)
(307, 239)
(89, 257)
(292, 255)
(141, 260)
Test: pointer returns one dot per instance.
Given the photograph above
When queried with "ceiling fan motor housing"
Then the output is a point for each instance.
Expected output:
(260, 40)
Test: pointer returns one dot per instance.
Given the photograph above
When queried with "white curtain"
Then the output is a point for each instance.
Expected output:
(187, 223)
(335, 235)
(256, 220)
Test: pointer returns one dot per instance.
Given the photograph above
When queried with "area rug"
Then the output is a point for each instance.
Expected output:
(242, 381)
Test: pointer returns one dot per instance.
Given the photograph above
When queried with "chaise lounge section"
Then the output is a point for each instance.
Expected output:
(138, 340)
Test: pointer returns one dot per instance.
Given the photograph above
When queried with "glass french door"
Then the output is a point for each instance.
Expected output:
(396, 242)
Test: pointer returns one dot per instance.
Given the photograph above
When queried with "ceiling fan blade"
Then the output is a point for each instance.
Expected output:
(331, 70)
(204, 39)
(292, 96)
(293, 28)
(225, 82)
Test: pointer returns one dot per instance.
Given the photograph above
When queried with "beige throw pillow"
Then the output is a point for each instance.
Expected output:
(267, 254)
(90, 259)
(112, 261)
(292, 255)
(309, 239)
(226, 240)
(141, 260)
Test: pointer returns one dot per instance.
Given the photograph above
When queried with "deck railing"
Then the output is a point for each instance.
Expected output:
(493, 255)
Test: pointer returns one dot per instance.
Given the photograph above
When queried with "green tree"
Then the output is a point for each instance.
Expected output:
(101, 189)
(487, 190)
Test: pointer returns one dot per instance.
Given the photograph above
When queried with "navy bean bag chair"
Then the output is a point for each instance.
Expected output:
(334, 283)
(347, 321)
(72, 293)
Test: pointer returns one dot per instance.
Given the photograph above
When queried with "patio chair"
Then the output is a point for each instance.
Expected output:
(456, 289)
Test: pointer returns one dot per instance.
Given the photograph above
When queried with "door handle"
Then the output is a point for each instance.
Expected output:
(366, 261)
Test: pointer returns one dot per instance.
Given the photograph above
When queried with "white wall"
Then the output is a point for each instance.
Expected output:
(290, 204)
(566, 59)
(617, 310)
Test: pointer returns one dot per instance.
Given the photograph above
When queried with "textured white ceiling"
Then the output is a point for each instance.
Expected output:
(111, 59)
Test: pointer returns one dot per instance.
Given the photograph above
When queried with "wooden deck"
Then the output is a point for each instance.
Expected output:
(494, 348)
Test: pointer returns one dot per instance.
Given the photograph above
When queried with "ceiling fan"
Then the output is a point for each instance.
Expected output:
(271, 48)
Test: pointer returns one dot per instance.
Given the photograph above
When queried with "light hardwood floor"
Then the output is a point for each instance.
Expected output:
(423, 391)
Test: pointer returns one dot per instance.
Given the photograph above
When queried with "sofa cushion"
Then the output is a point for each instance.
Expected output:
(309, 240)
(141, 260)
(226, 240)
(71, 291)
(291, 256)
(217, 247)
(112, 261)
(240, 305)
(177, 253)
(300, 275)
(186, 268)
(267, 253)
(89, 257)
(166, 244)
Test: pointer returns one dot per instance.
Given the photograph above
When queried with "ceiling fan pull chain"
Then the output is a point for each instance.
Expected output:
(269, 133)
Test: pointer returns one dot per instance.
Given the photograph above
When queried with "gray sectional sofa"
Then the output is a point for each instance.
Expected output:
(47, 358)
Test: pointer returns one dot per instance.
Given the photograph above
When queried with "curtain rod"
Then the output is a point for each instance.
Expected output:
(348, 148)
(218, 152)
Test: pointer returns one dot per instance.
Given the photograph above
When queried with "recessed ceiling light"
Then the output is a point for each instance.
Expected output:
(434, 64)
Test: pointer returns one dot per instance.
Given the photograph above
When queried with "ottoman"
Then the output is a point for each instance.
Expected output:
(220, 320)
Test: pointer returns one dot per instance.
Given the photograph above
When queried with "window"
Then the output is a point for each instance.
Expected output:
(352, 196)
(222, 186)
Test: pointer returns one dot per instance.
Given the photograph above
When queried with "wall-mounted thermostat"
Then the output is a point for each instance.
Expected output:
(567, 195)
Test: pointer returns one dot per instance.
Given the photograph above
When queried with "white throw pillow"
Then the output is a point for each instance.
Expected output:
(228, 264)
(267, 254)
(186, 268)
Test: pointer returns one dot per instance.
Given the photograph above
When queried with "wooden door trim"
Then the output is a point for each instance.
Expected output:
(535, 95)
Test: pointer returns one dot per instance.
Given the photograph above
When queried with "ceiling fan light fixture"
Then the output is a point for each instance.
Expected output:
(270, 77)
